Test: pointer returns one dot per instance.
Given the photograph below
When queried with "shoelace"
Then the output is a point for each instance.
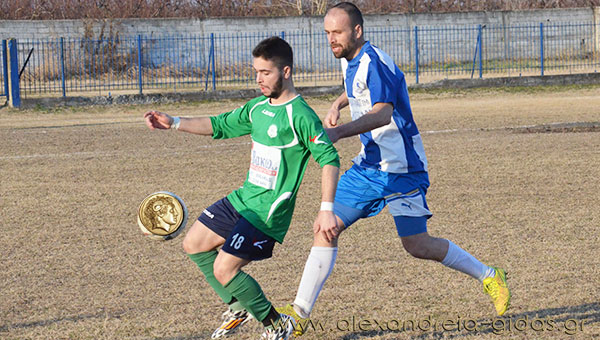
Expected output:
(231, 314)
(227, 314)
(492, 289)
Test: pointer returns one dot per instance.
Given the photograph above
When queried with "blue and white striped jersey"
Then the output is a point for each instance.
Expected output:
(373, 77)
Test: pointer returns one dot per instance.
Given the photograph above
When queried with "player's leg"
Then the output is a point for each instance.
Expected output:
(423, 246)
(352, 202)
(318, 267)
(246, 244)
(452, 256)
(200, 243)
(405, 197)
(493, 279)
(410, 213)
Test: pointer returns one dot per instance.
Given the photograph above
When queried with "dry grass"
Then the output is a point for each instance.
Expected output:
(75, 266)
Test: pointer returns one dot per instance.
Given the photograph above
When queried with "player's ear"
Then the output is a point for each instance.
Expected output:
(287, 72)
(358, 31)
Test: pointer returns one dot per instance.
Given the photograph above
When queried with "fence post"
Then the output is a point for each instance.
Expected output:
(282, 35)
(211, 63)
(475, 53)
(542, 47)
(212, 52)
(417, 54)
(62, 66)
(596, 31)
(5, 67)
(139, 50)
(14, 90)
(480, 51)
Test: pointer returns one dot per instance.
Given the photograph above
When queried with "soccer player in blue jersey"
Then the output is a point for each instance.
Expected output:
(391, 168)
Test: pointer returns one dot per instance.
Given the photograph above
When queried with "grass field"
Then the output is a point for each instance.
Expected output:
(509, 183)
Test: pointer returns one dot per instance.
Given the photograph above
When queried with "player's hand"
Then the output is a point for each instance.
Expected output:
(332, 117)
(326, 224)
(158, 120)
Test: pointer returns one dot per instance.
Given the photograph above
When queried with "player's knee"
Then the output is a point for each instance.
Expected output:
(416, 248)
(321, 241)
(219, 274)
(222, 274)
(423, 246)
(189, 245)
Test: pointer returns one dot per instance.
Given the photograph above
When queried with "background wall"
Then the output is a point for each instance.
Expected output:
(79, 28)
(83, 55)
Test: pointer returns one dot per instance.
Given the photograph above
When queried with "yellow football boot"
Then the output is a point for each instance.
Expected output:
(498, 290)
(301, 323)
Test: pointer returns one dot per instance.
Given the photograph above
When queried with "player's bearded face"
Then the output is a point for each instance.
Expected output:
(341, 50)
(340, 34)
(277, 88)
(268, 77)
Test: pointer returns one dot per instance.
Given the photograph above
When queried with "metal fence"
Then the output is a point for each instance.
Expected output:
(4, 70)
(221, 61)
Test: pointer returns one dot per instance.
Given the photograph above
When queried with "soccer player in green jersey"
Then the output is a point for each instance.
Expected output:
(246, 224)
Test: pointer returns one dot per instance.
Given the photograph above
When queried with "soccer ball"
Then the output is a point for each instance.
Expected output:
(162, 216)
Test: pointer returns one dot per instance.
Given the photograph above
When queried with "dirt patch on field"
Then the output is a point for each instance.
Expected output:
(560, 128)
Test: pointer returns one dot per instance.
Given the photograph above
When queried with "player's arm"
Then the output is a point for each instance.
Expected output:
(196, 125)
(379, 116)
(326, 222)
(312, 135)
(333, 115)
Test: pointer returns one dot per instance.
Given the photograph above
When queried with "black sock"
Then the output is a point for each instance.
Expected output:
(271, 318)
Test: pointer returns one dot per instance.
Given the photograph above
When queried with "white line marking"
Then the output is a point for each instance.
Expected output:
(224, 145)
(115, 153)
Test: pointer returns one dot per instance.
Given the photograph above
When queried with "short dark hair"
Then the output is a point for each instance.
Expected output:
(276, 50)
(352, 11)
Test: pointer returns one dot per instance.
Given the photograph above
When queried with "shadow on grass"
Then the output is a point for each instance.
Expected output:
(99, 315)
(72, 318)
(563, 320)
(201, 336)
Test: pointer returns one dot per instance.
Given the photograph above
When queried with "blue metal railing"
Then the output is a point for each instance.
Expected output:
(219, 61)
(4, 70)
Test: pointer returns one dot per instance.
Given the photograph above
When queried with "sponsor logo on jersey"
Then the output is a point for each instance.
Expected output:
(272, 131)
(268, 113)
(360, 87)
(359, 107)
(316, 140)
(264, 165)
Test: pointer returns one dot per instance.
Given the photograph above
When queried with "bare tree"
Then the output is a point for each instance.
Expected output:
(110, 9)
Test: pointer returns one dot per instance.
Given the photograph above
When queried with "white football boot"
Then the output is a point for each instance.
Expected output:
(232, 321)
(285, 328)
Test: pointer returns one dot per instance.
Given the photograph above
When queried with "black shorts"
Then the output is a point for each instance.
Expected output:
(242, 239)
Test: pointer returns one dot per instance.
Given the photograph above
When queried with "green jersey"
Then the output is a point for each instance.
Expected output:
(283, 138)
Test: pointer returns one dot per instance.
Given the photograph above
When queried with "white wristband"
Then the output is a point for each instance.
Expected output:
(327, 206)
(176, 122)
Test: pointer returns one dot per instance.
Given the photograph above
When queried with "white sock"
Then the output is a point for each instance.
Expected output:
(460, 260)
(318, 266)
